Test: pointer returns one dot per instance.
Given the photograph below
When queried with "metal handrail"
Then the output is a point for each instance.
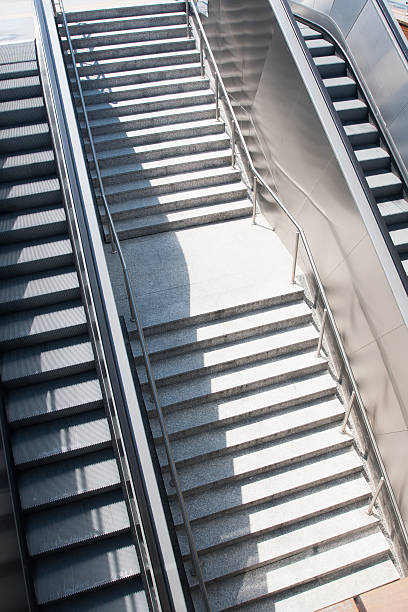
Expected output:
(235, 130)
(135, 317)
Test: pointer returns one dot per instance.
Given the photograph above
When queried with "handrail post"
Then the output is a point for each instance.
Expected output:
(217, 98)
(188, 19)
(202, 55)
(346, 416)
(322, 326)
(376, 494)
(295, 256)
(254, 197)
(233, 144)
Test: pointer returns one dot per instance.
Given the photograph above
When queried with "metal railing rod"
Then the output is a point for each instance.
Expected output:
(295, 256)
(188, 19)
(376, 494)
(347, 414)
(322, 328)
(254, 198)
(310, 258)
(134, 314)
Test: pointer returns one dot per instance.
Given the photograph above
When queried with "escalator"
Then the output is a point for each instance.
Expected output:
(77, 531)
(384, 181)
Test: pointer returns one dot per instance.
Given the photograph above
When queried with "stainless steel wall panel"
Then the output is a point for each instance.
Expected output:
(343, 13)
(394, 450)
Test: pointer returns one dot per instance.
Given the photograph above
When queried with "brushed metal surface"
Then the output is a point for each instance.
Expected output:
(296, 148)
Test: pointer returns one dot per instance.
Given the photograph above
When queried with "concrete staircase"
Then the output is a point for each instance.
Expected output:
(369, 146)
(74, 511)
(165, 160)
(277, 495)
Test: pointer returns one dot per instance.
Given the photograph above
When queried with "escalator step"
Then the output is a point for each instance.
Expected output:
(51, 400)
(35, 256)
(26, 110)
(21, 87)
(330, 66)
(32, 224)
(18, 70)
(38, 289)
(20, 166)
(42, 325)
(394, 211)
(27, 194)
(340, 87)
(373, 158)
(23, 137)
(77, 523)
(352, 109)
(319, 47)
(59, 439)
(86, 568)
(69, 480)
(384, 184)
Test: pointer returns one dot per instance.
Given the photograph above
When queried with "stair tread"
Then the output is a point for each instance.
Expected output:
(139, 87)
(112, 21)
(214, 414)
(133, 46)
(54, 398)
(257, 430)
(194, 335)
(44, 360)
(277, 578)
(74, 523)
(268, 549)
(86, 568)
(57, 439)
(42, 323)
(138, 207)
(159, 6)
(23, 290)
(67, 480)
(255, 460)
(265, 346)
(94, 36)
(157, 70)
(241, 378)
(131, 59)
(225, 530)
(183, 218)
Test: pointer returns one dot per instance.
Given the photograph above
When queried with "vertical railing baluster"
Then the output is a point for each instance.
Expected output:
(295, 256)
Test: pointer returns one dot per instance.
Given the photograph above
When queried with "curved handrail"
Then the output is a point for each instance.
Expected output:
(135, 316)
(258, 178)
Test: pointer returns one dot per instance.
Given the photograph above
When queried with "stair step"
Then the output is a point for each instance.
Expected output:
(130, 593)
(319, 47)
(239, 380)
(32, 224)
(24, 137)
(155, 206)
(145, 90)
(160, 134)
(169, 166)
(151, 47)
(173, 183)
(125, 11)
(72, 524)
(116, 24)
(40, 289)
(35, 256)
(213, 333)
(352, 109)
(168, 117)
(399, 237)
(100, 39)
(16, 167)
(45, 324)
(70, 480)
(28, 194)
(340, 87)
(394, 211)
(25, 110)
(373, 158)
(330, 66)
(239, 526)
(226, 439)
(292, 541)
(85, 569)
(117, 109)
(172, 221)
(49, 361)
(269, 581)
(21, 87)
(140, 76)
(361, 134)
(267, 487)
(384, 184)
(56, 440)
(209, 416)
(202, 362)
(142, 61)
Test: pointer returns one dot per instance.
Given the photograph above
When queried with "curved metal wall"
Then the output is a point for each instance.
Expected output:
(297, 147)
